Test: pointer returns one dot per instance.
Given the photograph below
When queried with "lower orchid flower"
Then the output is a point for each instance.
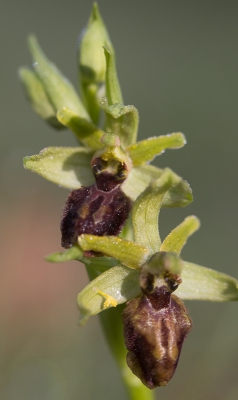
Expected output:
(156, 321)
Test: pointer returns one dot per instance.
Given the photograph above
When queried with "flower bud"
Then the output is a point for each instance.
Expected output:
(92, 62)
(155, 325)
(38, 98)
(58, 89)
(92, 59)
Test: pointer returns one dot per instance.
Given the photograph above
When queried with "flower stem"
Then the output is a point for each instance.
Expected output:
(111, 321)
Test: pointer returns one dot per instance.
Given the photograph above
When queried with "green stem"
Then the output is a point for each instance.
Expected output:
(111, 321)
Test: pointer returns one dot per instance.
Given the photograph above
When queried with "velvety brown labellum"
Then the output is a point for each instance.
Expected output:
(155, 327)
(100, 209)
(89, 210)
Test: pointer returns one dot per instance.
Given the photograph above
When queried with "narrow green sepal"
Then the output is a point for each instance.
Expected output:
(178, 196)
(38, 98)
(148, 149)
(177, 238)
(119, 283)
(122, 120)
(128, 253)
(113, 90)
(59, 90)
(86, 132)
(74, 253)
(200, 283)
(92, 63)
(145, 212)
(68, 167)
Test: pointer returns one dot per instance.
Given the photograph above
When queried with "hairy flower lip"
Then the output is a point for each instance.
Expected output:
(154, 333)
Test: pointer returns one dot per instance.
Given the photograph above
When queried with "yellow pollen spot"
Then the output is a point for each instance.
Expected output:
(84, 211)
(109, 300)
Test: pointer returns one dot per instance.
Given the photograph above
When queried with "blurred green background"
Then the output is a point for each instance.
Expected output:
(177, 63)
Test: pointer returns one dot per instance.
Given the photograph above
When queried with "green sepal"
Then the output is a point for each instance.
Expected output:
(129, 253)
(148, 149)
(86, 132)
(140, 177)
(145, 212)
(68, 167)
(92, 63)
(74, 253)
(38, 98)
(59, 90)
(113, 90)
(200, 283)
(178, 196)
(120, 282)
(122, 120)
(177, 238)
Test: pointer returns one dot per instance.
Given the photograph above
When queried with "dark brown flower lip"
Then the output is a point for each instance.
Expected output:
(90, 210)
(155, 327)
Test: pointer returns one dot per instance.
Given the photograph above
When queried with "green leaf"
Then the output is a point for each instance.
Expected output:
(128, 253)
(175, 241)
(74, 253)
(119, 282)
(86, 132)
(59, 90)
(122, 120)
(140, 177)
(146, 150)
(38, 98)
(68, 167)
(113, 90)
(92, 63)
(200, 283)
(145, 212)
(138, 180)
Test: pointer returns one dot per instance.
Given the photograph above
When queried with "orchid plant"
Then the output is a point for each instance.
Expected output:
(111, 217)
